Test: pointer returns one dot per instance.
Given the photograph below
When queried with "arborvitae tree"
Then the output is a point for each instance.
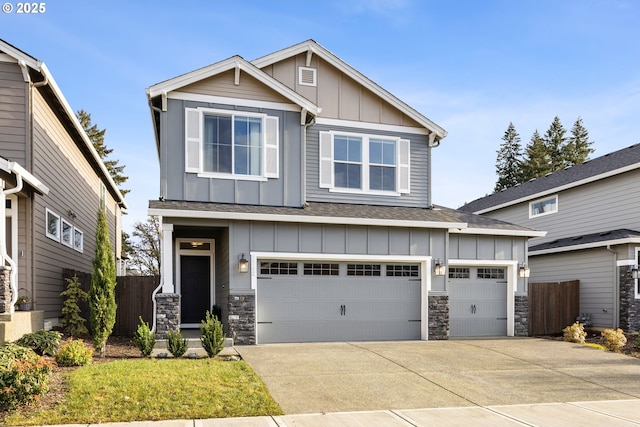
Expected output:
(537, 162)
(102, 298)
(509, 160)
(96, 136)
(555, 140)
(578, 147)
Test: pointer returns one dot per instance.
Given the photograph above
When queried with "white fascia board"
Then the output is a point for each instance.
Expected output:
(85, 139)
(352, 73)
(372, 126)
(594, 245)
(560, 188)
(483, 262)
(302, 219)
(498, 232)
(226, 65)
(184, 96)
(18, 55)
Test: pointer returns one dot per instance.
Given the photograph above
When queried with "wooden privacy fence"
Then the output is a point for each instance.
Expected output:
(553, 306)
(133, 297)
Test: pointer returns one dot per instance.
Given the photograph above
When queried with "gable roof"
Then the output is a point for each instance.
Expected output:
(610, 164)
(587, 241)
(237, 63)
(32, 69)
(311, 47)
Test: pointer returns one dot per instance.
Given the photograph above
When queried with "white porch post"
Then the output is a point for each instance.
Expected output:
(166, 253)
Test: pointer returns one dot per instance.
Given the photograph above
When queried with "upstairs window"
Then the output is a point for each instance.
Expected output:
(544, 206)
(359, 163)
(230, 144)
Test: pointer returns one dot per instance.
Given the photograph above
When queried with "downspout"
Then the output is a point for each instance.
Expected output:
(616, 288)
(13, 283)
(157, 289)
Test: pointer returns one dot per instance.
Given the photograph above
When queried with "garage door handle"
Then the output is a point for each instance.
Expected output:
(343, 310)
(473, 309)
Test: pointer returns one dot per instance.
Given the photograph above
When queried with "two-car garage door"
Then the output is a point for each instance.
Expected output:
(337, 301)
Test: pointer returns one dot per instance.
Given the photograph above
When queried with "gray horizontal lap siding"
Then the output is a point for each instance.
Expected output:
(419, 170)
(179, 185)
(13, 113)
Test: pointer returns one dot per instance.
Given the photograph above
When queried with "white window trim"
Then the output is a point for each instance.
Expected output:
(365, 182)
(264, 146)
(52, 236)
(555, 196)
(79, 248)
(64, 222)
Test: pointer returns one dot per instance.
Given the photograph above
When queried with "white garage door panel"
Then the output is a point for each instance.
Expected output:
(337, 308)
(478, 307)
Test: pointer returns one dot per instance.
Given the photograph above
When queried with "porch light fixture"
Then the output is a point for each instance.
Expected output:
(524, 271)
(243, 264)
(634, 272)
(439, 269)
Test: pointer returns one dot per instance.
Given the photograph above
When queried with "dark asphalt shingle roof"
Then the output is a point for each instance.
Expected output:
(343, 210)
(600, 165)
(606, 236)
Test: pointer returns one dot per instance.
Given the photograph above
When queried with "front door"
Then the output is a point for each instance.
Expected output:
(195, 287)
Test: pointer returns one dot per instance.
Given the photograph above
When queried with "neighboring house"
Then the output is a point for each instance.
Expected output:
(295, 197)
(53, 184)
(592, 214)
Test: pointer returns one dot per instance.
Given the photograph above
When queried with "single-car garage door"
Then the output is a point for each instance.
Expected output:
(477, 301)
(341, 301)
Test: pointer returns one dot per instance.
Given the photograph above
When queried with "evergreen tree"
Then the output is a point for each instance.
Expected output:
(509, 160)
(102, 301)
(578, 147)
(555, 140)
(72, 320)
(537, 160)
(96, 136)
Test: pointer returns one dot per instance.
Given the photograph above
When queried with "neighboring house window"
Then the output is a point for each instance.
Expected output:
(364, 163)
(229, 144)
(66, 237)
(78, 240)
(545, 206)
(53, 225)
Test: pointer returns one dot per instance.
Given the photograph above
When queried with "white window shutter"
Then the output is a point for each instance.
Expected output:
(271, 147)
(192, 140)
(404, 160)
(326, 160)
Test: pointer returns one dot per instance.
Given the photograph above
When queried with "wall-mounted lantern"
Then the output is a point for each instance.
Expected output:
(439, 268)
(634, 272)
(524, 271)
(243, 264)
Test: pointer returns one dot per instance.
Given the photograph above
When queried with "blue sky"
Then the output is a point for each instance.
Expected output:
(472, 66)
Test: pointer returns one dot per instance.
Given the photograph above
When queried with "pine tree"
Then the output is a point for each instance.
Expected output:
(578, 147)
(555, 141)
(96, 136)
(102, 301)
(537, 161)
(72, 320)
(509, 160)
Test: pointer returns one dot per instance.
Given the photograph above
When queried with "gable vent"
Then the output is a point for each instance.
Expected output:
(307, 76)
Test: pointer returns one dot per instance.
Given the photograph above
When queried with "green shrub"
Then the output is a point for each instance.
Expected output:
(575, 333)
(212, 336)
(637, 344)
(176, 344)
(44, 343)
(144, 339)
(24, 376)
(74, 353)
(614, 340)
(74, 324)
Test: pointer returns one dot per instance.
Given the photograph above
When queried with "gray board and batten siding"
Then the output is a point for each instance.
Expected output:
(176, 184)
(14, 113)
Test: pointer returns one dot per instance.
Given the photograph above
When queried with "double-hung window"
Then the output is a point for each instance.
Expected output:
(231, 144)
(364, 163)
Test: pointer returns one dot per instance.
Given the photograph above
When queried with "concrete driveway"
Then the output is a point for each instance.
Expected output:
(361, 376)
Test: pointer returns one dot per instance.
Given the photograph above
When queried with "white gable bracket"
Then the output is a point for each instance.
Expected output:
(237, 77)
(309, 55)
(434, 139)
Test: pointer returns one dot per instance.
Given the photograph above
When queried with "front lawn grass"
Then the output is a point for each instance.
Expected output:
(148, 389)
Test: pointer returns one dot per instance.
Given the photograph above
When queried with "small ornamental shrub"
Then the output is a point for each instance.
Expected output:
(44, 343)
(74, 353)
(176, 344)
(144, 339)
(614, 340)
(74, 324)
(24, 376)
(212, 335)
(637, 344)
(575, 333)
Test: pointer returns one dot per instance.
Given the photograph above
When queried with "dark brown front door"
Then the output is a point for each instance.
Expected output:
(195, 287)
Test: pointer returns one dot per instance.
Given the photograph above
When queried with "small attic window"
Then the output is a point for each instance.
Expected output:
(307, 76)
